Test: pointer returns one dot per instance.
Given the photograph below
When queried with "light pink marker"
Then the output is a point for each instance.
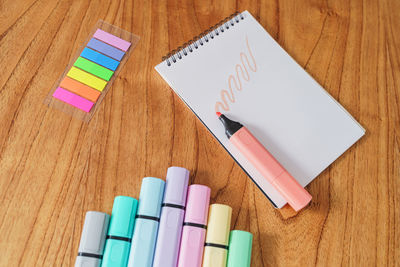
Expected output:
(266, 164)
(194, 226)
(73, 99)
(112, 40)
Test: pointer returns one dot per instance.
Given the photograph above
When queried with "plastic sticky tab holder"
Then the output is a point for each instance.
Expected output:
(91, 72)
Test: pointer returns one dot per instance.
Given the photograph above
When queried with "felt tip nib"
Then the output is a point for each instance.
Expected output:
(219, 114)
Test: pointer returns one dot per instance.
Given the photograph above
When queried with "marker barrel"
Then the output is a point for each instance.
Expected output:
(240, 245)
(265, 163)
(271, 169)
(93, 238)
(194, 226)
(146, 224)
(172, 215)
(116, 252)
(217, 239)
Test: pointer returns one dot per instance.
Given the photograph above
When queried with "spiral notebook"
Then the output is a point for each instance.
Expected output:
(237, 68)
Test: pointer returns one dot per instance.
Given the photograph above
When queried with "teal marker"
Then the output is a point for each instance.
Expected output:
(119, 236)
(239, 253)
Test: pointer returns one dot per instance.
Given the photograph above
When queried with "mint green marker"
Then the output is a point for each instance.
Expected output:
(119, 236)
(239, 253)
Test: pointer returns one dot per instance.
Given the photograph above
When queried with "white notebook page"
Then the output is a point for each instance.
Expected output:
(246, 75)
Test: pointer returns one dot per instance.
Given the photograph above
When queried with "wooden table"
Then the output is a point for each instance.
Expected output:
(54, 168)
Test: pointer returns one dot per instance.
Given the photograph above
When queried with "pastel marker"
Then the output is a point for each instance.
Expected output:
(118, 244)
(240, 244)
(194, 226)
(112, 39)
(265, 163)
(146, 224)
(216, 246)
(93, 238)
(106, 49)
(172, 214)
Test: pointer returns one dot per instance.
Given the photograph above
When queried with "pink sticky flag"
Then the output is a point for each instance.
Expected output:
(112, 40)
(73, 99)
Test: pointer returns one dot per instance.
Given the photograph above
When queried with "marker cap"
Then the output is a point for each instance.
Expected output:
(292, 191)
(94, 233)
(123, 216)
(151, 195)
(219, 224)
(176, 186)
(198, 200)
(240, 245)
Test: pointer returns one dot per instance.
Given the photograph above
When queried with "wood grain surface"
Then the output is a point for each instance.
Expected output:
(53, 168)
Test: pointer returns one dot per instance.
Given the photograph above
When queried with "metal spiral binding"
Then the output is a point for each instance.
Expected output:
(202, 38)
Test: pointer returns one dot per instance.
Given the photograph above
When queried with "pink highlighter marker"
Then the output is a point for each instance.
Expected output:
(194, 226)
(266, 164)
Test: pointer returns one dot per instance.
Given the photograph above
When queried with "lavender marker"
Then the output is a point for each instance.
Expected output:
(172, 214)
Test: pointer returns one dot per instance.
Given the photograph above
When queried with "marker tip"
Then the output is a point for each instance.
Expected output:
(219, 114)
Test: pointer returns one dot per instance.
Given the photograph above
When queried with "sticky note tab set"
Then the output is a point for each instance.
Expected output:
(90, 74)
(92, 70)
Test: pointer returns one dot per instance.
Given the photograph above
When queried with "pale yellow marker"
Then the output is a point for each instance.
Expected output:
(87, 78)
(217, 239)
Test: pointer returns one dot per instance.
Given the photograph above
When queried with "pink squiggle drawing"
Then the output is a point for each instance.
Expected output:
(230, 95)
(245, 77)
(226, 95)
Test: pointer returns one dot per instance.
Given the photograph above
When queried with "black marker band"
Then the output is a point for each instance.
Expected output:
(147, 217)
(173, 206)
(126, 239)
(195, 225)
(216, 245)
(90, 255)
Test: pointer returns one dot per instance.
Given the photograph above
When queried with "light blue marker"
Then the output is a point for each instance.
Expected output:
(118, 244)
(100, 59)
(147, 220)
